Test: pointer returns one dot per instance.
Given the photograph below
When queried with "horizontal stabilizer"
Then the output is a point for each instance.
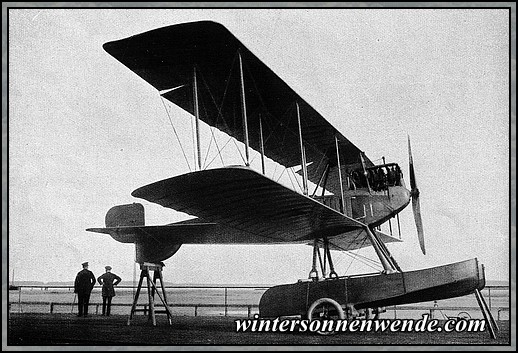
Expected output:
(193, 231)
(161, 234)
(197, 232)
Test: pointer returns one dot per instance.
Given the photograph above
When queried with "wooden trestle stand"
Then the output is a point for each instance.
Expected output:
(145, 268)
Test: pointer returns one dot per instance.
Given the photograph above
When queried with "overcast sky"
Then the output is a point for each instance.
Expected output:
(85, 131)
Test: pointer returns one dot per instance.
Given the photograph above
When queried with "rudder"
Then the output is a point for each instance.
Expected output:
(125, 215)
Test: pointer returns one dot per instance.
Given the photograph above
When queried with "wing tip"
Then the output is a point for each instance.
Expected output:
(204, 25)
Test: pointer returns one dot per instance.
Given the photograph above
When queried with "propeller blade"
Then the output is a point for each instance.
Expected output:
(418, 222)
(413, 185)
(414, 193)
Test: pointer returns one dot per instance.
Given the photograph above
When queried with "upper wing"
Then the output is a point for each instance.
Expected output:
(242, 199)
(166, 58)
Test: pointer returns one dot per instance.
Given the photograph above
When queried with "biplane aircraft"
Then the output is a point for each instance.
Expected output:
(202, 61)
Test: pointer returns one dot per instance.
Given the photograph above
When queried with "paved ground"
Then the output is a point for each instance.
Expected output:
(67, 329)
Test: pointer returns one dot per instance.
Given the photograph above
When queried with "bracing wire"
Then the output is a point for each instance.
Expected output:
(293, 185)
(318, 166)
(365, 260)
(217, 147)
(176, 134)
(219, 150)
(296, 179)
(286, 114)
(220, 107)
(215, 141)
(357, 256)
(239, 150)
(280, 176)
(281, 121)
(274, 171)
(214, 158)
(213, 137)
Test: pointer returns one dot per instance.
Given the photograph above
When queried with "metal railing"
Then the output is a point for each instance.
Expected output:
(432, 309)
(250, 308)
(143, 307)
(226, 305)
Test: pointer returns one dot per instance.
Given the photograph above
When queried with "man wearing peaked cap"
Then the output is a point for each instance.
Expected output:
(83, 285)
(108, 280)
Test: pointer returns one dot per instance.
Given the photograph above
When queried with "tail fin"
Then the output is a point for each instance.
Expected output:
(125, 215)
(149, 248)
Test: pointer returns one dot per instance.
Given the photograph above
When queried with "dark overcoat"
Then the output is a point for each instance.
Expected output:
(85, 282)
(108, 280)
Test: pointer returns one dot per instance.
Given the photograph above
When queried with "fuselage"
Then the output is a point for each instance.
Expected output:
(372, 197)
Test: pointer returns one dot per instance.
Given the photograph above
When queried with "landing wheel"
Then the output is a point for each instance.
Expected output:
(464, 315)
(325, 309)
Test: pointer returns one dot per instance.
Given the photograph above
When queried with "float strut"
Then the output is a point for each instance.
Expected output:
(313, 274)
(491, 323)
(332, 272)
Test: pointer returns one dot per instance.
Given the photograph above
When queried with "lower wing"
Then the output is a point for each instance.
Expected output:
(242, 207)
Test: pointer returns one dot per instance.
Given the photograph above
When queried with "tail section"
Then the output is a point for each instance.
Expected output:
(126, 224)
(125, 216)
(154, 252)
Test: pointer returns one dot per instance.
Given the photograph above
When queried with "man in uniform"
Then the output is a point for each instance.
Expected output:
(83, 285)
(108, 281)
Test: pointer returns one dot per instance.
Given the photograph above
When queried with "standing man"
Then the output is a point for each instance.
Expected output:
(107, 281)
(83, 285)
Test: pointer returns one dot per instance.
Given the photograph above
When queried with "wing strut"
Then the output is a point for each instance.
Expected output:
(197, 115)
(243, 109)
(262, 143)
(303, 155)
(340, 175)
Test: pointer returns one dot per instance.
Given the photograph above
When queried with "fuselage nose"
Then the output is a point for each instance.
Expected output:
(400, 197)
(389, 204)
(375, 208)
